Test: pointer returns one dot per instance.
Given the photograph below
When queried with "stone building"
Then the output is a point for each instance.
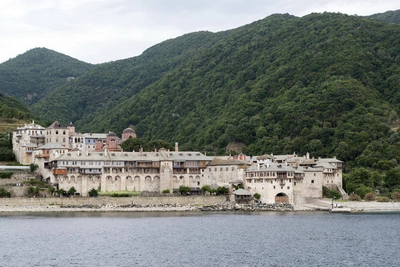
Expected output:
(25, 140)
(57, 133)
(140, 171)
(292, 179)
(222, 172)
(85, 161)
(128, 133)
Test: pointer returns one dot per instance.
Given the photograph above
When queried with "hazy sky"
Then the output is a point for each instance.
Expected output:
(99, 31)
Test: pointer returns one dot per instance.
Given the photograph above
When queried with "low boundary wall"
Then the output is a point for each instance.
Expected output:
(115, 201)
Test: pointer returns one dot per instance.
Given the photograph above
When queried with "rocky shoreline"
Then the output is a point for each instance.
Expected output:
(108, 206)
(146, 208)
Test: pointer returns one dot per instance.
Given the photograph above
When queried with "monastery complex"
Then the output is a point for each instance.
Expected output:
(95, 160)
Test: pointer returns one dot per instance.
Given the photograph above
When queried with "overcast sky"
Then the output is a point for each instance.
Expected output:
(98, 31)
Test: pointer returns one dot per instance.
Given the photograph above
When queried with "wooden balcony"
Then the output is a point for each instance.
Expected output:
(60, 171)
(42, 156)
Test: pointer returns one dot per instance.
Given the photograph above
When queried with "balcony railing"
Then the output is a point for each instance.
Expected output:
(42, 156)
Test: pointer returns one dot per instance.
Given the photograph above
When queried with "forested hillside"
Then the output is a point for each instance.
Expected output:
(32, 75)
(12, 114)
(101, 89)
(323, 83)
(389, 16)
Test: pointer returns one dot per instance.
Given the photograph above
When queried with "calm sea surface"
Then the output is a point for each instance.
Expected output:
(199, 239)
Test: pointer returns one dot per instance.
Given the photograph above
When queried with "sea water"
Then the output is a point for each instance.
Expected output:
(199, 239)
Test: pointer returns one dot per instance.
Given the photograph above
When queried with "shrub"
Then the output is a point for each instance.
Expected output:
(382, 199)
(396, 196)
(354, 197)
(93, 193)
(61, 192)
(334, 194)
(72, 191)
(166, 191)
(120, 195)
(370, 196)
(257, 196)
(237, 187)
(325, 191)
(4, 193)
(205, 188)
(33, 191)
(363, 190)
(6, 175)
(184, 189)
(221, 190)
(33, 167)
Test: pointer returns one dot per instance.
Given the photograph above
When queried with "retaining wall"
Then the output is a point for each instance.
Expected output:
(115, 201)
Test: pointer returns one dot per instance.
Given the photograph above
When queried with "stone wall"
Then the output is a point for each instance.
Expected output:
(15, 185)
(115, 201)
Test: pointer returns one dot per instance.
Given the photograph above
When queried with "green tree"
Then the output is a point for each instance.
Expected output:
(71, 191)
(358, 177)
(184, 190)
(222, 190)
(93, 193)
(205, 188)
(61, 192)
(4, 193)
(157, 144)
(33, 167)
(392, 178)
(134, 144)
(362, 190)
(33, 191)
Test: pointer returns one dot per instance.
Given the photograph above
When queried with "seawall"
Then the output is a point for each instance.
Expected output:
(111, 201)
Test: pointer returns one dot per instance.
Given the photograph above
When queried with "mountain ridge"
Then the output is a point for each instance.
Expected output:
(325, 83)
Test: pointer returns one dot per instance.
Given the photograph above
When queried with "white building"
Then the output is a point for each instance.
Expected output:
(25, 140)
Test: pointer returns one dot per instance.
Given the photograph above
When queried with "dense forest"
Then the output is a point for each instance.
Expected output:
(12, 114)
(30, 76)
(323, 83)
(389, 17)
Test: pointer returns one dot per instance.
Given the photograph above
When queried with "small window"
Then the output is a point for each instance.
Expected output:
(312, 181)
(288, 187)
(274, 186)
(294, 183)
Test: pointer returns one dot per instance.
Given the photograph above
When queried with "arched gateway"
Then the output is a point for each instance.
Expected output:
(282, 198)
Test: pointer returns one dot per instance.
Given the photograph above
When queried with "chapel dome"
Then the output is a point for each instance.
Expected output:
(128, 131)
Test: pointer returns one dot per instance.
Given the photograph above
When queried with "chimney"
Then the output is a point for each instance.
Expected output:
(307, 155)
(176, 147)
